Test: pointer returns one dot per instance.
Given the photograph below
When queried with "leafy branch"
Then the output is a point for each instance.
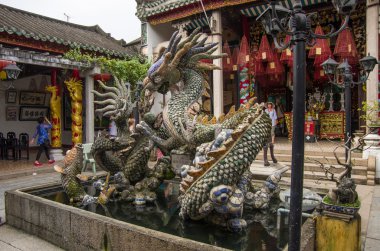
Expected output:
(129, 69)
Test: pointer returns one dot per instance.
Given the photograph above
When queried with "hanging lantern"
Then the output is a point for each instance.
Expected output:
(227, 61)
(275, 70)
(244, 56)
(345, 47)
(4, 63)
(235, 56)
(257, 67)
(321, 46)
(12, 71)
(287, 55)
(265, 53)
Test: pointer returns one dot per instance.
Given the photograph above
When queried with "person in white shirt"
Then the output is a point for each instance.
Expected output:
(273, 116)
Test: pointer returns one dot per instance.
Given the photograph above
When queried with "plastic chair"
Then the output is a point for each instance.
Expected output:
(23, 144)
(87, 158)
(3, 145)
(11, 144)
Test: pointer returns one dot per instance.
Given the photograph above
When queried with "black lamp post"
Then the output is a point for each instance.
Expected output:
(330, 68)
(297, 24)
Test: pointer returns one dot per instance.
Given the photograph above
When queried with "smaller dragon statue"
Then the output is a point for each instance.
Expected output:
(55, 112)
(75, 88)
(71, 179)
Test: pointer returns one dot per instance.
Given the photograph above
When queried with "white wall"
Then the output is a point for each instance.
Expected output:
(157, 34)
(20, 85)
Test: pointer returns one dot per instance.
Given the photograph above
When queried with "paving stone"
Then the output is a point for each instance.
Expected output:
(371, 244)
(33, 243)
(4, 246)
(376, 193)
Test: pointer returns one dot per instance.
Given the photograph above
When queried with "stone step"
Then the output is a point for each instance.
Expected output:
(261, 173)
(317, 152)
(309, 159)
(359, 170)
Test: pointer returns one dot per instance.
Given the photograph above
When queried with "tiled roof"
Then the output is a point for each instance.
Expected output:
(33, 26)
(151, 8)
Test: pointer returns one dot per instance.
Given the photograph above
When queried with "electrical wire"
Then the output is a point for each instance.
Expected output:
(204, 11)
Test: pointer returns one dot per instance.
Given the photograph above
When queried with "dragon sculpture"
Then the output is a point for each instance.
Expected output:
(55, 112)
(215, 186)
(71, 178)
(75, 86)
(128, 154)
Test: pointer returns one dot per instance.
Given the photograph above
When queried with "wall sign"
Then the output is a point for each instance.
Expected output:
(11, 96)
(32, 98)
(32, 113)
(11, 113)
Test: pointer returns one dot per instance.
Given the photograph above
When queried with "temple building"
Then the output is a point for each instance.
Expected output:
(36, 44)
(254, 68)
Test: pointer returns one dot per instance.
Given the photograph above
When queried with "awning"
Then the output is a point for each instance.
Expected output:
(258, 9)
(195, 23)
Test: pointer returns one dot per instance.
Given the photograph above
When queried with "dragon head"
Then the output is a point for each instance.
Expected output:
(117, 103)
(166, 70)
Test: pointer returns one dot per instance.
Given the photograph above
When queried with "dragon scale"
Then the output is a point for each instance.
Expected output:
(227, 164)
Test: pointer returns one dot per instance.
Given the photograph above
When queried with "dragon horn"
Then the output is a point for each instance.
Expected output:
(172, 39)
(189, 38)
(105, 102)
(109, 88)
(105, 95)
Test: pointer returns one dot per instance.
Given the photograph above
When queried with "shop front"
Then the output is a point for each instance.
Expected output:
(254, 68)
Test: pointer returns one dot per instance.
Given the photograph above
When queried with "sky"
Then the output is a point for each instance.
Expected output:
(113, 16)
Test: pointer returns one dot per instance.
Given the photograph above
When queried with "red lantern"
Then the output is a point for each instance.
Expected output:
(265, 53)
(287, 55)
(4, 63)
(104, 77)
(227, 61)
(275, 70)
(244, 56)
(321, 46)
(235, 57)
(345, 47)
(257, 66)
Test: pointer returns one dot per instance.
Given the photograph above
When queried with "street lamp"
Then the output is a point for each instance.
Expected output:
(297, 24)
(330, 68)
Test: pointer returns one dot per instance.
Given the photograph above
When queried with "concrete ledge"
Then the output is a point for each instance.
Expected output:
(75, 229)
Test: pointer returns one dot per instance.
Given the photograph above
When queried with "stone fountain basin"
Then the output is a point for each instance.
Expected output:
(75, 229)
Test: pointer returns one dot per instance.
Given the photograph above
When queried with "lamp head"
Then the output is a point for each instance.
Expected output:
(368, 63)
(344, 7)
(12, 71)
(343, 66)
(329, 66)
(266, 17)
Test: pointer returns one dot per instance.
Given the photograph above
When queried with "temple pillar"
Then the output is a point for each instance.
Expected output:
(217, 93)
(372, 39)
(372, 44)
(89, 107)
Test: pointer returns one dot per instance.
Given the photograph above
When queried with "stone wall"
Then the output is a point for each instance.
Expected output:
(75, 229)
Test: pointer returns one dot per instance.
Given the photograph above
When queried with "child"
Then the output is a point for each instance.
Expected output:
(43, 140)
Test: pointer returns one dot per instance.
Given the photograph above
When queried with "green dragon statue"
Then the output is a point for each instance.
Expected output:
(212, 188)
(128, 154)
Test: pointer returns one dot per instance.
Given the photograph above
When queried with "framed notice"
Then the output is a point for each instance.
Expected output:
(11, 113)
(32, 113)
(32, 98)
(11, 96)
